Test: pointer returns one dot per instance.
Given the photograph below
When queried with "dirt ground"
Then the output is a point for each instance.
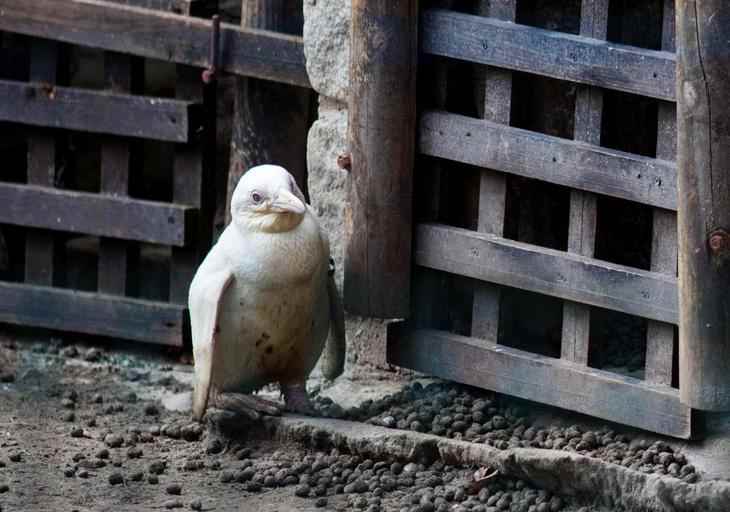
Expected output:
(85, 429)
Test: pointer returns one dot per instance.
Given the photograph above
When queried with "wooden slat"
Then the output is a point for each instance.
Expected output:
(583, 205)
(91, 313)
(534, 377)
(106, 112)
(660, 336)
(191, 181)
(95, 214)
(534, 155)
(39, 246)
(115, 180)
(547, 271)
(158, 35)
(496, 96)
(555, 54)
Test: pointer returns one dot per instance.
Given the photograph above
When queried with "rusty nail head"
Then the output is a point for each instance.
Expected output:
(719, 241)
(209, 74)
(344, 161)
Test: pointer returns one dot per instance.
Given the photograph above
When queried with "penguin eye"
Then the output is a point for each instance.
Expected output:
(256, 197)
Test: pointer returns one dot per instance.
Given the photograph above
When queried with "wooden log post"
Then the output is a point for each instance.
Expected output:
(382, 127)
(703, 145)
(270, 120)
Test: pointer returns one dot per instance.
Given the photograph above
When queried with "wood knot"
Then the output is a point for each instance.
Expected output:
(344, 161)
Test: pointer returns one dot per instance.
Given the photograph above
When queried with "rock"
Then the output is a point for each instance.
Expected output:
(77, 432)
(137, 476)
(70, 351)
(113, 440)
(157, 467)
(196, 504)
(171, 430)
(302, 491)
(191, 432)
(68, 472)
(67, 403)
(15, 457)
(152, 479)
(68, 416)
(92, 355)
(214, 446)
(327, 46)
(173, 489)
(169, 504)
(116, 478)
(134, 452)
(83, 474)
(150, 409)
(97, 398)
(320, 502)
(102, 454)
(91, 422)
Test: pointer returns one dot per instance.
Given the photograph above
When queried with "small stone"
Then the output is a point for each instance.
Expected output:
(320, 502)
(152, 479)
(97, 399)
(157, 467)
(67, 403)
(191, 432)
(134, 452)
(77, 432)
(389, 421)
(173, 504)
(213, 446)
(102, 454)
(174, 489)
(83, 474)
(113, 440)
(410, 468)
(68, 416)
(227, 476)
(69, 472)
(302, 491)
(151, 409)
(171, 430)
(15, 457)
(196, 504)
(137, 476)
(91, 422)
(116, 478)
(92, 355)
(70, 351)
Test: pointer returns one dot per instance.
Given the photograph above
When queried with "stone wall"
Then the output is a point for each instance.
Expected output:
(327, 49)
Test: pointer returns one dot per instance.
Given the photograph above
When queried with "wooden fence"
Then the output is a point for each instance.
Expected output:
(43, 214)
(490, 39)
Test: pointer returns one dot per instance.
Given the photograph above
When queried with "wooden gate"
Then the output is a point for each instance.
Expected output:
(488, 263)
(41, 215)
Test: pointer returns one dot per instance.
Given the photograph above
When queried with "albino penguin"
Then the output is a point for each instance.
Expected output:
(263, 301)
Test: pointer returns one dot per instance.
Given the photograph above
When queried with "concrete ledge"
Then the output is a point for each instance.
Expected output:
(561, 472)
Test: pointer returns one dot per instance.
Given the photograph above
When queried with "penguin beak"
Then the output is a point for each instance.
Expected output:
(286, 202)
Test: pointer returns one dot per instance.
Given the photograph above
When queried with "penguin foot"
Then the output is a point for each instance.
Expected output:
(297, 400)
(248, 405)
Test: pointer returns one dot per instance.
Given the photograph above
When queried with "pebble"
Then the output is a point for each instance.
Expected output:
(152, 479)
(67, 403)
(69, 416)
(213, 446)
(69, 472)
(137, 476)
(157, 467)
(102, 454)
(151, 410)
(116, 478)
(97, 399)
(92, 355)
(196, 504)
(191, 432)
(134, 452)
(174, 489)
(4, 488)
(302, 491)
(77, 432)
(113, 440)
(169, 504)
(70, 351)
(321, 502)
(15, 457)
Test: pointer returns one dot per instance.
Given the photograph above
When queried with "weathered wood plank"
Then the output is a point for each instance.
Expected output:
(93, 111)
(192, 185)
(495, 89)
(112, 274)
(544, 52)
(703, 145)
(382, 133)
(158, 35)
(92, 313)
(564, 162)
(40, 246)
(583, 205)
(660, 336)
(538, 269)
(95, 214)
(534, 377)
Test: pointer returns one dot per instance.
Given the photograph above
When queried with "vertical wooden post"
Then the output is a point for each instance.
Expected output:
(660, 336)
(583, 205)
(382, 135)
(703, 144)
(270, 120)
(115, 152)
(495, 102)
(41, 167)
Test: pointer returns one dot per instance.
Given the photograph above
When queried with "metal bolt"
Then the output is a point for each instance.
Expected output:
(344, 161)
(719, 241)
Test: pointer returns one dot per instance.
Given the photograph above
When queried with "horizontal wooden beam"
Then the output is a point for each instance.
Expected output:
(95, 111)
(158, 35)
(549, 53)
(485, 364)
(562, 161)
(91, 313)
(96, 214)
(547, 271)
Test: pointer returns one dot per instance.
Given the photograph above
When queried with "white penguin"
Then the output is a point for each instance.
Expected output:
(263, 300)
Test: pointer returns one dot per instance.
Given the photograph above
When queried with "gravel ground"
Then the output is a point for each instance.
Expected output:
(469, 414)
(77, 434)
